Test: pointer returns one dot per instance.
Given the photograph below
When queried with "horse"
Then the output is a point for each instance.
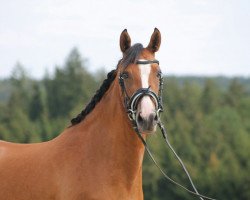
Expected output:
(99, 156)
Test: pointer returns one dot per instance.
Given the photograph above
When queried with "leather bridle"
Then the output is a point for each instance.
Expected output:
(131, 104)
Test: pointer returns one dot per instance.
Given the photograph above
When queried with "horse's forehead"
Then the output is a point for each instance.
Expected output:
(145, 69)
(144, 73)
(139, 69)
(144, 55)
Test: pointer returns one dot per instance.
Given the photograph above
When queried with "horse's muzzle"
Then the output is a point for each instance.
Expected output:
(147, 124)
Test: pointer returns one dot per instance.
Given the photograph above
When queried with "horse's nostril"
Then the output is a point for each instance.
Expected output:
(152, 118)
(147, 123)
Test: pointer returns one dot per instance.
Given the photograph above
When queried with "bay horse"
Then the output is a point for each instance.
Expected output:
(99, 156)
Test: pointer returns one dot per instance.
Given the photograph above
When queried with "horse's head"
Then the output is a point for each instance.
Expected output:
(140, 78)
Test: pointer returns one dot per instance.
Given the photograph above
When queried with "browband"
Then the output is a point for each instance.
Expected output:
(145, 62)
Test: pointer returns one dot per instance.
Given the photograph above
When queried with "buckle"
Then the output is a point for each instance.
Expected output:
(131, 114)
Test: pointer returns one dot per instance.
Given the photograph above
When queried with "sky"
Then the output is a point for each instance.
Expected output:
(199, 37)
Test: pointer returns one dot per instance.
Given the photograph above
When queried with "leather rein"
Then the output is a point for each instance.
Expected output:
(131, 104)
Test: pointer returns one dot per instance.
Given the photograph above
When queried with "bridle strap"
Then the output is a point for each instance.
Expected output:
(196, 193)
(136, 97)
(145, 62)
(131, 102)
(131, 106)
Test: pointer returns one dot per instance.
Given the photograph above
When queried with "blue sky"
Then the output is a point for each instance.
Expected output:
(199, 37)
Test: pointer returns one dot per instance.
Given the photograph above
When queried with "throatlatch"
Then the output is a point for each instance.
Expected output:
(131, 104)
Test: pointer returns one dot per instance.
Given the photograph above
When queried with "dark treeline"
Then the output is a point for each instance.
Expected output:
(208, 122)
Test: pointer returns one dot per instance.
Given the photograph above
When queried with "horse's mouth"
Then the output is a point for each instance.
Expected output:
(147, 125)
(149, 131)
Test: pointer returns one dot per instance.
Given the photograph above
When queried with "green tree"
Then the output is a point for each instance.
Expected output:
(235, 93)
(38, 104)
(72, 84)
(19, 127)
(210, 98)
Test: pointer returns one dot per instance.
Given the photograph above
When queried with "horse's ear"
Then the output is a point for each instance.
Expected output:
(125, 41)
(155, 41)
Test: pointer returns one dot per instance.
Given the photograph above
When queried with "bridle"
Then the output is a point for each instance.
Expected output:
(131, 104)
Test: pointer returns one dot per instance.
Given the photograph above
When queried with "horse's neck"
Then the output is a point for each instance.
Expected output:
(107, 138)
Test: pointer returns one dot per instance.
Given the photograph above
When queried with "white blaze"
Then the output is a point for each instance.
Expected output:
(146, 105)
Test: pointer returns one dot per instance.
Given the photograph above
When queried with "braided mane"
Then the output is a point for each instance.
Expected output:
(96, 98)
(130, 56)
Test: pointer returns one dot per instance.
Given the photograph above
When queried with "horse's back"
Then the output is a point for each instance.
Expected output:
(8, 150)
(22, 166)
(12, 152)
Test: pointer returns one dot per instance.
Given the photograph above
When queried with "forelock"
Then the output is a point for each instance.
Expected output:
(131, 55)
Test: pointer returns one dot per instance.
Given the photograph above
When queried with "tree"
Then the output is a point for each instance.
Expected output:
(21, 87)
(19, 127)
(209, 97)
(235, 93)
(72, 84)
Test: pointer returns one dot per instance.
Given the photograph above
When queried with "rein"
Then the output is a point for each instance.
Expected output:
(131, 108)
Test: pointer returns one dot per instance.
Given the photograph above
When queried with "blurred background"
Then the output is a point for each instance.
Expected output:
(55, 54)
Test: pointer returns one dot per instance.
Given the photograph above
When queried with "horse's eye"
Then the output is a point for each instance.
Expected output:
(125, 75)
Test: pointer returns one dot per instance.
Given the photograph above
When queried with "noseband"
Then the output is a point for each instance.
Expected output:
(131, 102)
